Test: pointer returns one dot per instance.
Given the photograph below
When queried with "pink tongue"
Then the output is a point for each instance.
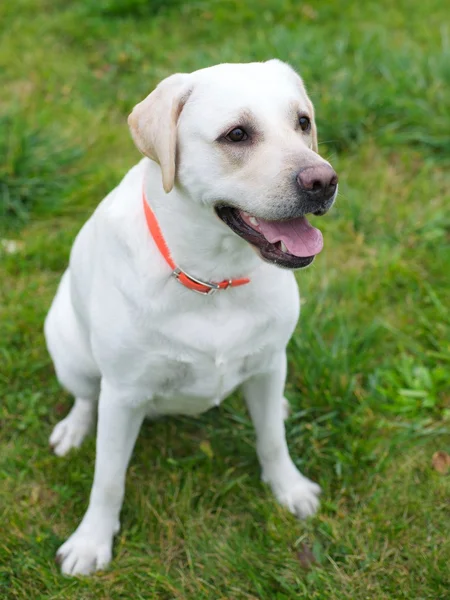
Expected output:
(299, 236)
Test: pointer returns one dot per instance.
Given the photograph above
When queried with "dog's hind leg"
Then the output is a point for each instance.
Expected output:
(71, 431)
(69, 347)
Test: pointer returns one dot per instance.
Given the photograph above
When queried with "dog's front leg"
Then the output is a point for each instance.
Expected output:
(264, 396)
(89, 548)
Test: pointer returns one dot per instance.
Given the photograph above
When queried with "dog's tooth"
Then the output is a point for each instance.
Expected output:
(283, 247)
(253, 221)
(245, 214)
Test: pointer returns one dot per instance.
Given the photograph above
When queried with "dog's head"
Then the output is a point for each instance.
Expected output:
(241, 139)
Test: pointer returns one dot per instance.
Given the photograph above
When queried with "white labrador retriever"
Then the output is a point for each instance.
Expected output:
(174, 295)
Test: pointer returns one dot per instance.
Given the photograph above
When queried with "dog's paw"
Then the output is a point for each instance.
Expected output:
(70, 433)
(85, 552)
(300, 496)
(302, 499)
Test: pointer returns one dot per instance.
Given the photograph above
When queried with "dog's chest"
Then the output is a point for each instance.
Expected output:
(196, 360)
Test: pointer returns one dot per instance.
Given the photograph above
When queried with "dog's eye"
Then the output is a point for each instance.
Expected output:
(305, 123)
(237, 135)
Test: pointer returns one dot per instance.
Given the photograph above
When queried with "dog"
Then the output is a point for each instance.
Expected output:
(180, 287)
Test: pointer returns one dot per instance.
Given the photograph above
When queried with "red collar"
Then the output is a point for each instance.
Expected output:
(197, 285)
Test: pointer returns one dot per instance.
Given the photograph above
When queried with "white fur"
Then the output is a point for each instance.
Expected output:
(122, 332)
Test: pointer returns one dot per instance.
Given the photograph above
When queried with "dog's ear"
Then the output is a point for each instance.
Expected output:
(314, 142)
(301, 86)
(153, 124)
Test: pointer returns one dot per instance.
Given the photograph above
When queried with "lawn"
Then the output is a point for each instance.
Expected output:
(369, 363)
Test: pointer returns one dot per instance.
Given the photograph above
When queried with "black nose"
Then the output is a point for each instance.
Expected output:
(319, 182)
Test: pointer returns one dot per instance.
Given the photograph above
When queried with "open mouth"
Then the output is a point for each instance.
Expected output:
(292, 244)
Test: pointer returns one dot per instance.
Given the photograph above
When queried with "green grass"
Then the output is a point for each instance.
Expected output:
(369, 362)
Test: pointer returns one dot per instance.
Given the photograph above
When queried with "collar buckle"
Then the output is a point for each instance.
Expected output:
(205, 288)
(212, 287)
